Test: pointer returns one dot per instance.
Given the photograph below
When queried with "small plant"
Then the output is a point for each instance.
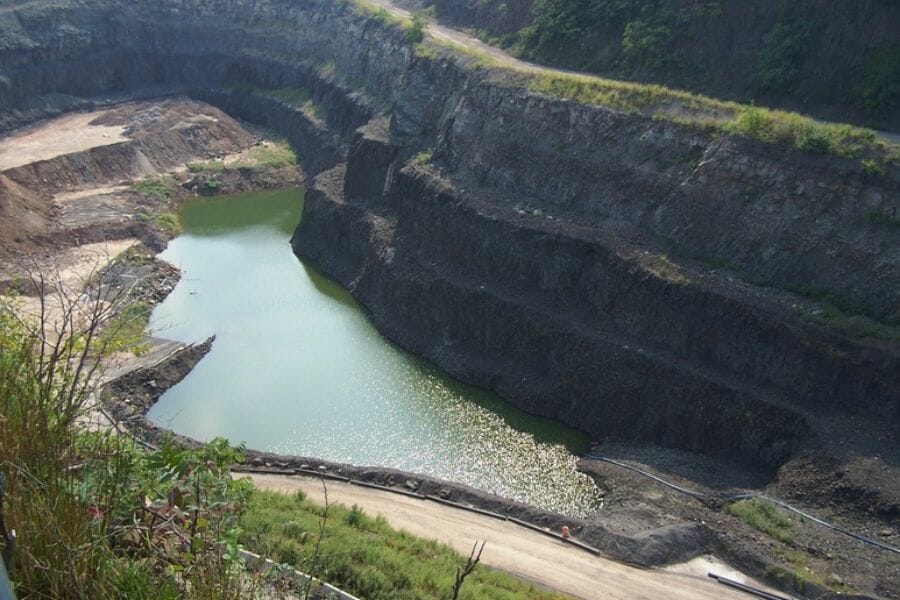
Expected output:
(212, 185)
(424, 157)
(153, 189)
(168, 222)
(871, 167)
(355, 517)
(415, 31)
(764, 517)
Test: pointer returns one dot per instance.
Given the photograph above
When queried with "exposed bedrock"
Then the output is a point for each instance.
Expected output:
(628, 276)
(579, 327)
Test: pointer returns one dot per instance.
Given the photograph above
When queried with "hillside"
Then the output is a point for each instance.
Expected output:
(835, 60)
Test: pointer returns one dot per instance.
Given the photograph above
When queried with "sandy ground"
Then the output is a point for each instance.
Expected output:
(67, 276)
(73, 267)
(524, 553)
(71, 133)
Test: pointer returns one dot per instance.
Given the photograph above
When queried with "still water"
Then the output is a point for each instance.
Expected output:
(297, 368)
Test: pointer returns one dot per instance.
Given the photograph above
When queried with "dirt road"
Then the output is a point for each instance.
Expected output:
(524, 553)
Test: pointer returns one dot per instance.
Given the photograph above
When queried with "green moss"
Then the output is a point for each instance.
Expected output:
(764, 517)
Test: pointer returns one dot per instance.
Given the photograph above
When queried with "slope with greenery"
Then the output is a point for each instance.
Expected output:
(835, 60)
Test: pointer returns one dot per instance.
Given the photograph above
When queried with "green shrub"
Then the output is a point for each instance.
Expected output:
(84, 503)
(355, 517)
(154, 189)
(644, 43)
(871, 167)
(212, 185)
(168, 222)
(878, 92)
(784, 48)
(415, 32)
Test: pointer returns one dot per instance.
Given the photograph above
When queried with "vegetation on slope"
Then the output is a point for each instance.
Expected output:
(770, 126)
(840, 57)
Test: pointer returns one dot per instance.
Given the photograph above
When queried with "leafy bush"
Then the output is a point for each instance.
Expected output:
(97, 516)
(154, 189)
(415, 31)
(784, 48)
(879, 90)
(644, 43)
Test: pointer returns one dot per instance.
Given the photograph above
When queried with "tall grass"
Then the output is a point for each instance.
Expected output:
(365, 556)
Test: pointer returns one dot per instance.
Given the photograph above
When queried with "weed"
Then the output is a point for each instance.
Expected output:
(871, 167)
(206, 166)
(424, 157)
(212, 186)
(154, 189)
(95, 514)
(764, 517)
(415, 31)
(168, 222)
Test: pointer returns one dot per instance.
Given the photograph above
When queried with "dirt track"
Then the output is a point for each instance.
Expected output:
(519, 551)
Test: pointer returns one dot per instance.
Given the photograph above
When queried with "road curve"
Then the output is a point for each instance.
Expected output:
(524, 553)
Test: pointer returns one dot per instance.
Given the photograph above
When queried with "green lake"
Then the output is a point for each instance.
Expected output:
(298, 368)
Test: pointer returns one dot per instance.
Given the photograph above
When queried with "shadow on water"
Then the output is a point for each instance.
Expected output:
(298, 368)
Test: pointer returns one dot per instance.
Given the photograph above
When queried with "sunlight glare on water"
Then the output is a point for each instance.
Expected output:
(297, 368)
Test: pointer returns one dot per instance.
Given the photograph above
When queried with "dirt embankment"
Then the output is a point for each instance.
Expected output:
(115, 173)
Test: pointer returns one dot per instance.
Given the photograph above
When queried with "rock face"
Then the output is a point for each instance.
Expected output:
(627, 276)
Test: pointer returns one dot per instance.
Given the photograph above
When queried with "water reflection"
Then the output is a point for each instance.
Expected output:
(297, 368)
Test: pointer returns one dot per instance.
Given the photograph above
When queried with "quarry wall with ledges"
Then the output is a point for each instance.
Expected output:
(622, 274)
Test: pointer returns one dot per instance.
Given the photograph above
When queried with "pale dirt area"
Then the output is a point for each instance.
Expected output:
(66, 276)
(102, 190)
(63, 135)
(73, 267)
(524, 553)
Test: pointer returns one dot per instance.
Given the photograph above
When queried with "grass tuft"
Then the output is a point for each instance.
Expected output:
(764, 517)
